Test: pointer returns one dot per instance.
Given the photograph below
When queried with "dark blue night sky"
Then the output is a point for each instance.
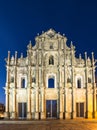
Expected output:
(21, 20)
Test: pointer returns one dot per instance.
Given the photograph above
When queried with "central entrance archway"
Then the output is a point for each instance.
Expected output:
(51, 108)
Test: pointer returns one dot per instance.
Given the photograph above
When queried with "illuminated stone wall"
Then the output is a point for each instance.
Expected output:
(27, 88)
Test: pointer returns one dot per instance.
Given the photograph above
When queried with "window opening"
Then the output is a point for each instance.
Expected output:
(33, 80)
(89, 80)
(51, 60)
(79, 83)
(12, 79)
(51, 46)
(51, 83)
(68, 80)
(23, 83)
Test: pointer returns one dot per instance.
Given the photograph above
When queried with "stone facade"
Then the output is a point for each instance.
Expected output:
(50, 82)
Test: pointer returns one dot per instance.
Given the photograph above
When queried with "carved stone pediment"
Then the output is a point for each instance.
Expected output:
(51, 33)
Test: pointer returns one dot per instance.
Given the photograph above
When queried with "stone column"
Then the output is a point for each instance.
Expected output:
(37, 88)
(66, 99)
(37, 95)
(37, 104)
(29, 104)
(29, 94)
(86, 85)
(61, 104)
(42, 100)
(7, 90)
(65, 96)
(7, 104)
(72, 82)
(58, 82)
(65, 82)
(42, 104)
(61, 95)
(33, 102)
(14, 104)
(7, 87)
(43, 114)
(93, 85)
(14, 88)
(29, 80)
(72, 93)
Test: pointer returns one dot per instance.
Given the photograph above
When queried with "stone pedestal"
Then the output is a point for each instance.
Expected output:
(33, 115)
(88, 114)
(13, 116)
(67, 115)
(29, 115)
(61, 115)
(43, 115)
(73, 115)
(6, 115)
(36, 115)
(95, 114)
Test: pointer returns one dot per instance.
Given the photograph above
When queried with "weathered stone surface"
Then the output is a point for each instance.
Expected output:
(28, 86)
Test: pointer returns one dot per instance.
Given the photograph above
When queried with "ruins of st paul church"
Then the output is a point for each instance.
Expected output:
(50, 82)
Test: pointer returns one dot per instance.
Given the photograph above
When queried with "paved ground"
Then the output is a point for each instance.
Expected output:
(76, 124)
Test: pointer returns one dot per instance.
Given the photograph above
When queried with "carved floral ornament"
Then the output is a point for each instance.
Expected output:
(22, 71)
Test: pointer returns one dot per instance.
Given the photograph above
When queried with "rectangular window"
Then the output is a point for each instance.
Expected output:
(68, 80)
(51, 83)
(79, 83)
(33, 80)
(23, 83)
(12, 80)
(89, 80)
(51, 60)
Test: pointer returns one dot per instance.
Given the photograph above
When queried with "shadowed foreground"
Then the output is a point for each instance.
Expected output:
(78, 124)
